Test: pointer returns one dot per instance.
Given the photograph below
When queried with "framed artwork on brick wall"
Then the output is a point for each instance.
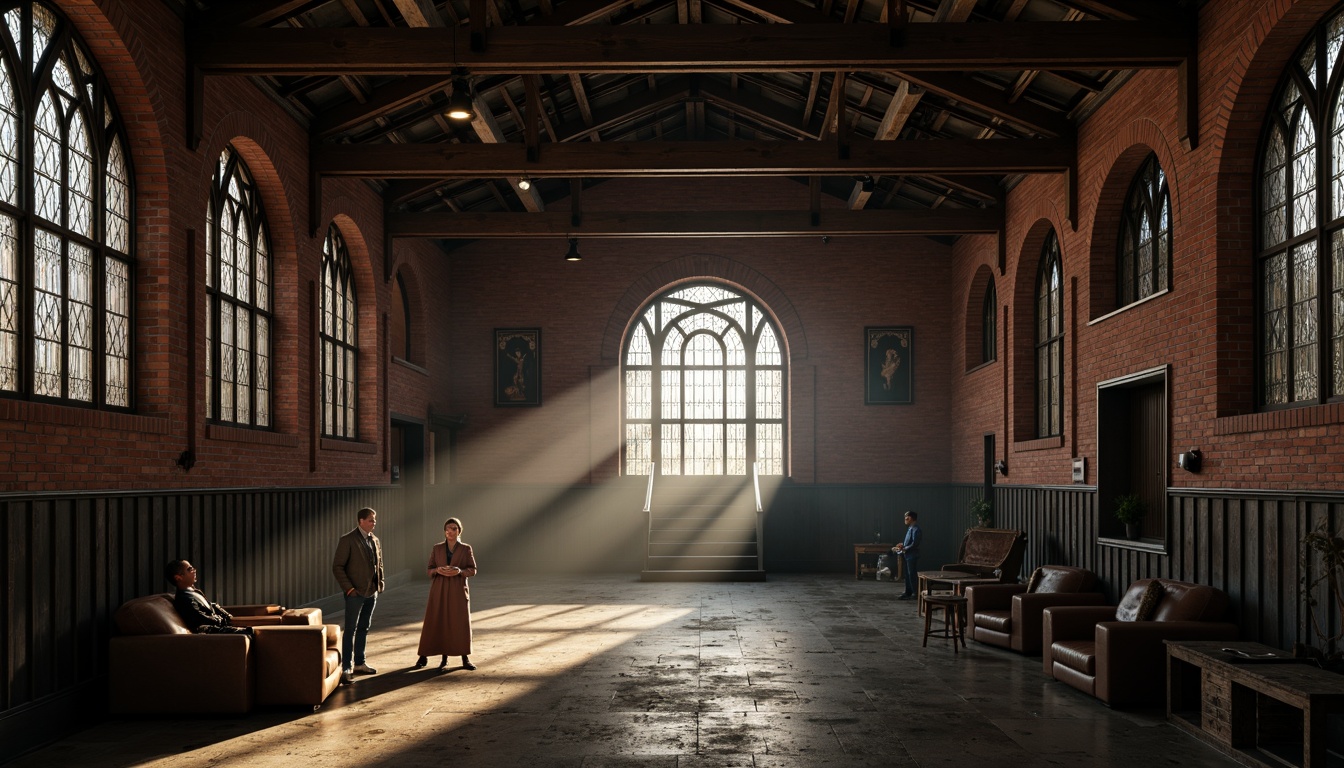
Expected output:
(517, 367)
(889, 367)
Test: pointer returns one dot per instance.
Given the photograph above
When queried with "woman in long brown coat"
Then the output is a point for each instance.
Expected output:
(446, 630)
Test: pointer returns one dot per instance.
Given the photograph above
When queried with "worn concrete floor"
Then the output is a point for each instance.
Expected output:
(608, 672)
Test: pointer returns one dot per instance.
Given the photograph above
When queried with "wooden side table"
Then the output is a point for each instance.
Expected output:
(1253, 702)
(876, 548)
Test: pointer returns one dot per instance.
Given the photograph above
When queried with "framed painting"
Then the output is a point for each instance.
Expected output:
(517, 367)
(889, 367)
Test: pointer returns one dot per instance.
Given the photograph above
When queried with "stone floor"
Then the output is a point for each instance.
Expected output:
(608, 672)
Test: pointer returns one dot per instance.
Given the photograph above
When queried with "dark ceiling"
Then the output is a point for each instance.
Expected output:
(919, 126)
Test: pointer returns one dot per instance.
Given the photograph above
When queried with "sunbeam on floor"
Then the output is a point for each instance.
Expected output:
(795, 672)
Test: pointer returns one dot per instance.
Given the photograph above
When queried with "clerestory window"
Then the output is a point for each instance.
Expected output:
(705, 385)
(1300, 226)
(1144, 259)
(66, 202)
(238, 289)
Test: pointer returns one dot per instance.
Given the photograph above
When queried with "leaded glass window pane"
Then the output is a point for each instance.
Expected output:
(238, 277)
(338, 338)
(1049, 341)
(989, 318)
(64, 299)
(1300, 263)
(719, 374)
(9, 304)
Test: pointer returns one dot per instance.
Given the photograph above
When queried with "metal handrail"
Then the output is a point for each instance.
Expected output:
(760, 516)
(648, 514)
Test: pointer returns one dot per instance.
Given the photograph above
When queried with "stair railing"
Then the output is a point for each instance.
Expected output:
(760, 516)
(648, 514)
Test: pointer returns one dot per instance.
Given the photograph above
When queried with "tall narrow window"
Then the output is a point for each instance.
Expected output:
(238, 288)
(989, 325)
(340, 357)
(66, 204)
(704, 386)
(1300, 206)
(1050, 342)
(1144, 260)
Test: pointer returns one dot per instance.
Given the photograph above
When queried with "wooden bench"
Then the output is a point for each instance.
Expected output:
(1259, 706)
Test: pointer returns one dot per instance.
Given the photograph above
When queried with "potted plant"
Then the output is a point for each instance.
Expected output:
(1322, 569)
(1130, 509)
(983, 512)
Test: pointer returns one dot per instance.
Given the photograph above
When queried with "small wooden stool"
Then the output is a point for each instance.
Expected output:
(954, 627)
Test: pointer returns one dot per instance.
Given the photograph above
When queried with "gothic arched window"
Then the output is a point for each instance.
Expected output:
(66, 203)
(989, 324)
(705, 385)
(238, 289)
(1300, 217)
(1143, 264)
(339, 337)
(1050, 341)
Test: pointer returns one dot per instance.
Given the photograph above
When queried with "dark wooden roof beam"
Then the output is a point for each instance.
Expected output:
(715, 223)
(698, 48)
(673, 159)
(256, 13)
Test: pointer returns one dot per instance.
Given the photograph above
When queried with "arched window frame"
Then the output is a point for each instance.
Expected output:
(338, 334)
(752, 392)
(1050, 341)
(989, 325)
(404, 304)
(66, 208)
(1143, 258)
(1300, 229)
(239, 299)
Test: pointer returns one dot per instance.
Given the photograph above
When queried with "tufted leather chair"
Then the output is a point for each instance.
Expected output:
(1117, 653)
(1009, 615)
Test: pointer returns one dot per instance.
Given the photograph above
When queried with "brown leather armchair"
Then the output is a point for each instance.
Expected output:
(985, 551)
(157, 665)
(1117, 653)
(1009, 615)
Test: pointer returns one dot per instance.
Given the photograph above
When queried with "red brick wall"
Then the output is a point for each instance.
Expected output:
(823, 295)
(1203, 328)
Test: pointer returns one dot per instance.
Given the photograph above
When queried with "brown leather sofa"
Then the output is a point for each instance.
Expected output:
(990, 552)
(1117, 653)
(1009, 615)
(158, 666)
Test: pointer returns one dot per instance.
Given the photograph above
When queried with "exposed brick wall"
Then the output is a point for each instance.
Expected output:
(822, 295)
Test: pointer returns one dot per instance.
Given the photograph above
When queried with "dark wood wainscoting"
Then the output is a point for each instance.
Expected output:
(71, 560)
(1247, 543)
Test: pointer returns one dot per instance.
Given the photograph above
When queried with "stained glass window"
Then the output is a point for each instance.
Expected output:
(1050, 341)
(337, 331)
(66, 275)
(1144, 260)
(1300, 218)
(238, 291)
(989, 324)
(705, 374)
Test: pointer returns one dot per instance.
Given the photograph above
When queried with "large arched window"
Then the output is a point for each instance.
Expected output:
(704, 386)
(238, 287)
(340, 355)
(1300, 205)
(989, 324)
(1143, 264)
(65, 219)
(1050, 341)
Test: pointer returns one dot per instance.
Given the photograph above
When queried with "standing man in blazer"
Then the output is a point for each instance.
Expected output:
(358, 566)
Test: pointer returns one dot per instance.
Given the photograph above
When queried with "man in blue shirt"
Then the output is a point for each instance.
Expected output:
(909, 549)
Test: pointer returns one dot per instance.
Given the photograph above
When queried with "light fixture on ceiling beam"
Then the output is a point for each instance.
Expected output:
(460, 106)
(524, 183)
(573, 254)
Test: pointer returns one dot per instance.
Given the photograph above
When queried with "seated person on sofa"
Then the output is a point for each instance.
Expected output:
(199, 614)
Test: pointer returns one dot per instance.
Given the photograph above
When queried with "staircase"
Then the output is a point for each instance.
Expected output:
(703, 529)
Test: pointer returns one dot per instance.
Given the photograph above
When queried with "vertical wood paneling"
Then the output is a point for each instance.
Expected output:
(73, 559)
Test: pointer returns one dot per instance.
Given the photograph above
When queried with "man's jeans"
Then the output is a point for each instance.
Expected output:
(358, 614)
(911, 575)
